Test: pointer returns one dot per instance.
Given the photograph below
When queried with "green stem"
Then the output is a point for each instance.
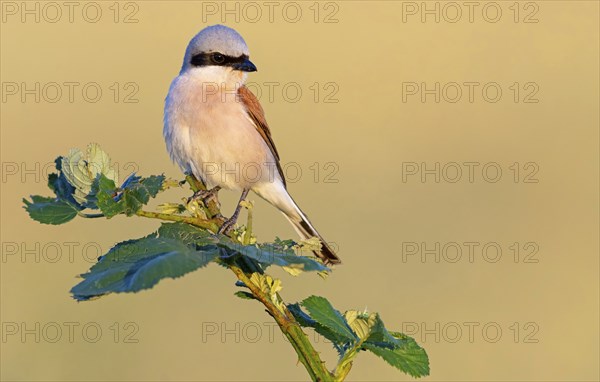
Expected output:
(248, 234)
(206, 224)
(307, 354)
(286, 321)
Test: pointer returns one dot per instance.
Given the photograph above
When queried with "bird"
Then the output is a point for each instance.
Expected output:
(215, 128)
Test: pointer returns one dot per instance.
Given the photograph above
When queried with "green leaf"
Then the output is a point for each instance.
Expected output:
(105, 190)
(305, 320)
(185, 233)
(81, 170)
(380, 336)
(302, 318)
(59, 184)
(135, 194)
(408, 357)
(322, 312)
(244, 295)
(140, 264)
(138, 193)
(397, 349)
(272, 254)
(49, 210)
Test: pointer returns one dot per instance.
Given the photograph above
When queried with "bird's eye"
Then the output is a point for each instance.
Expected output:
(218, 58)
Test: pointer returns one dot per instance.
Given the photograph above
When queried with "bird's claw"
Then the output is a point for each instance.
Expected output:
(204, 195)
(227, 226)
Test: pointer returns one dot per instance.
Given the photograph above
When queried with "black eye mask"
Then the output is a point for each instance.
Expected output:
(217, 59)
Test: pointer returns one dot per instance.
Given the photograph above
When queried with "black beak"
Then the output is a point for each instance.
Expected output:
(245, 66)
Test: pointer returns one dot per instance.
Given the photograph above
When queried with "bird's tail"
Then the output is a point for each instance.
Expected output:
(280, 198)
(306, 230)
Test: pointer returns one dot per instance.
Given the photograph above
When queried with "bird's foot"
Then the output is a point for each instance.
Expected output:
(227, 225)
(204, 195)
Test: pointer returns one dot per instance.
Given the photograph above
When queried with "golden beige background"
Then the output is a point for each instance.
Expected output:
(369, 213)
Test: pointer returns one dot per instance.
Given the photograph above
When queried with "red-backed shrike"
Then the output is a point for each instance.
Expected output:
(215, 128)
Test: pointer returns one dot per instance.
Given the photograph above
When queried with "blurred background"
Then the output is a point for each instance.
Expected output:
(449, 151)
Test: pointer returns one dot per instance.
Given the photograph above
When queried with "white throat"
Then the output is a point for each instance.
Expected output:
(224, 77)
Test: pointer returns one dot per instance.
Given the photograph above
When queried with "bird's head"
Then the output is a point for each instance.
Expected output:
(218, 53)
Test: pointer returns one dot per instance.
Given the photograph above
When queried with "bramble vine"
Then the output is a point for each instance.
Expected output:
(187, 241)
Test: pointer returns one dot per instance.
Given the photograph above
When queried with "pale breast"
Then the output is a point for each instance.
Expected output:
(209, 133)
